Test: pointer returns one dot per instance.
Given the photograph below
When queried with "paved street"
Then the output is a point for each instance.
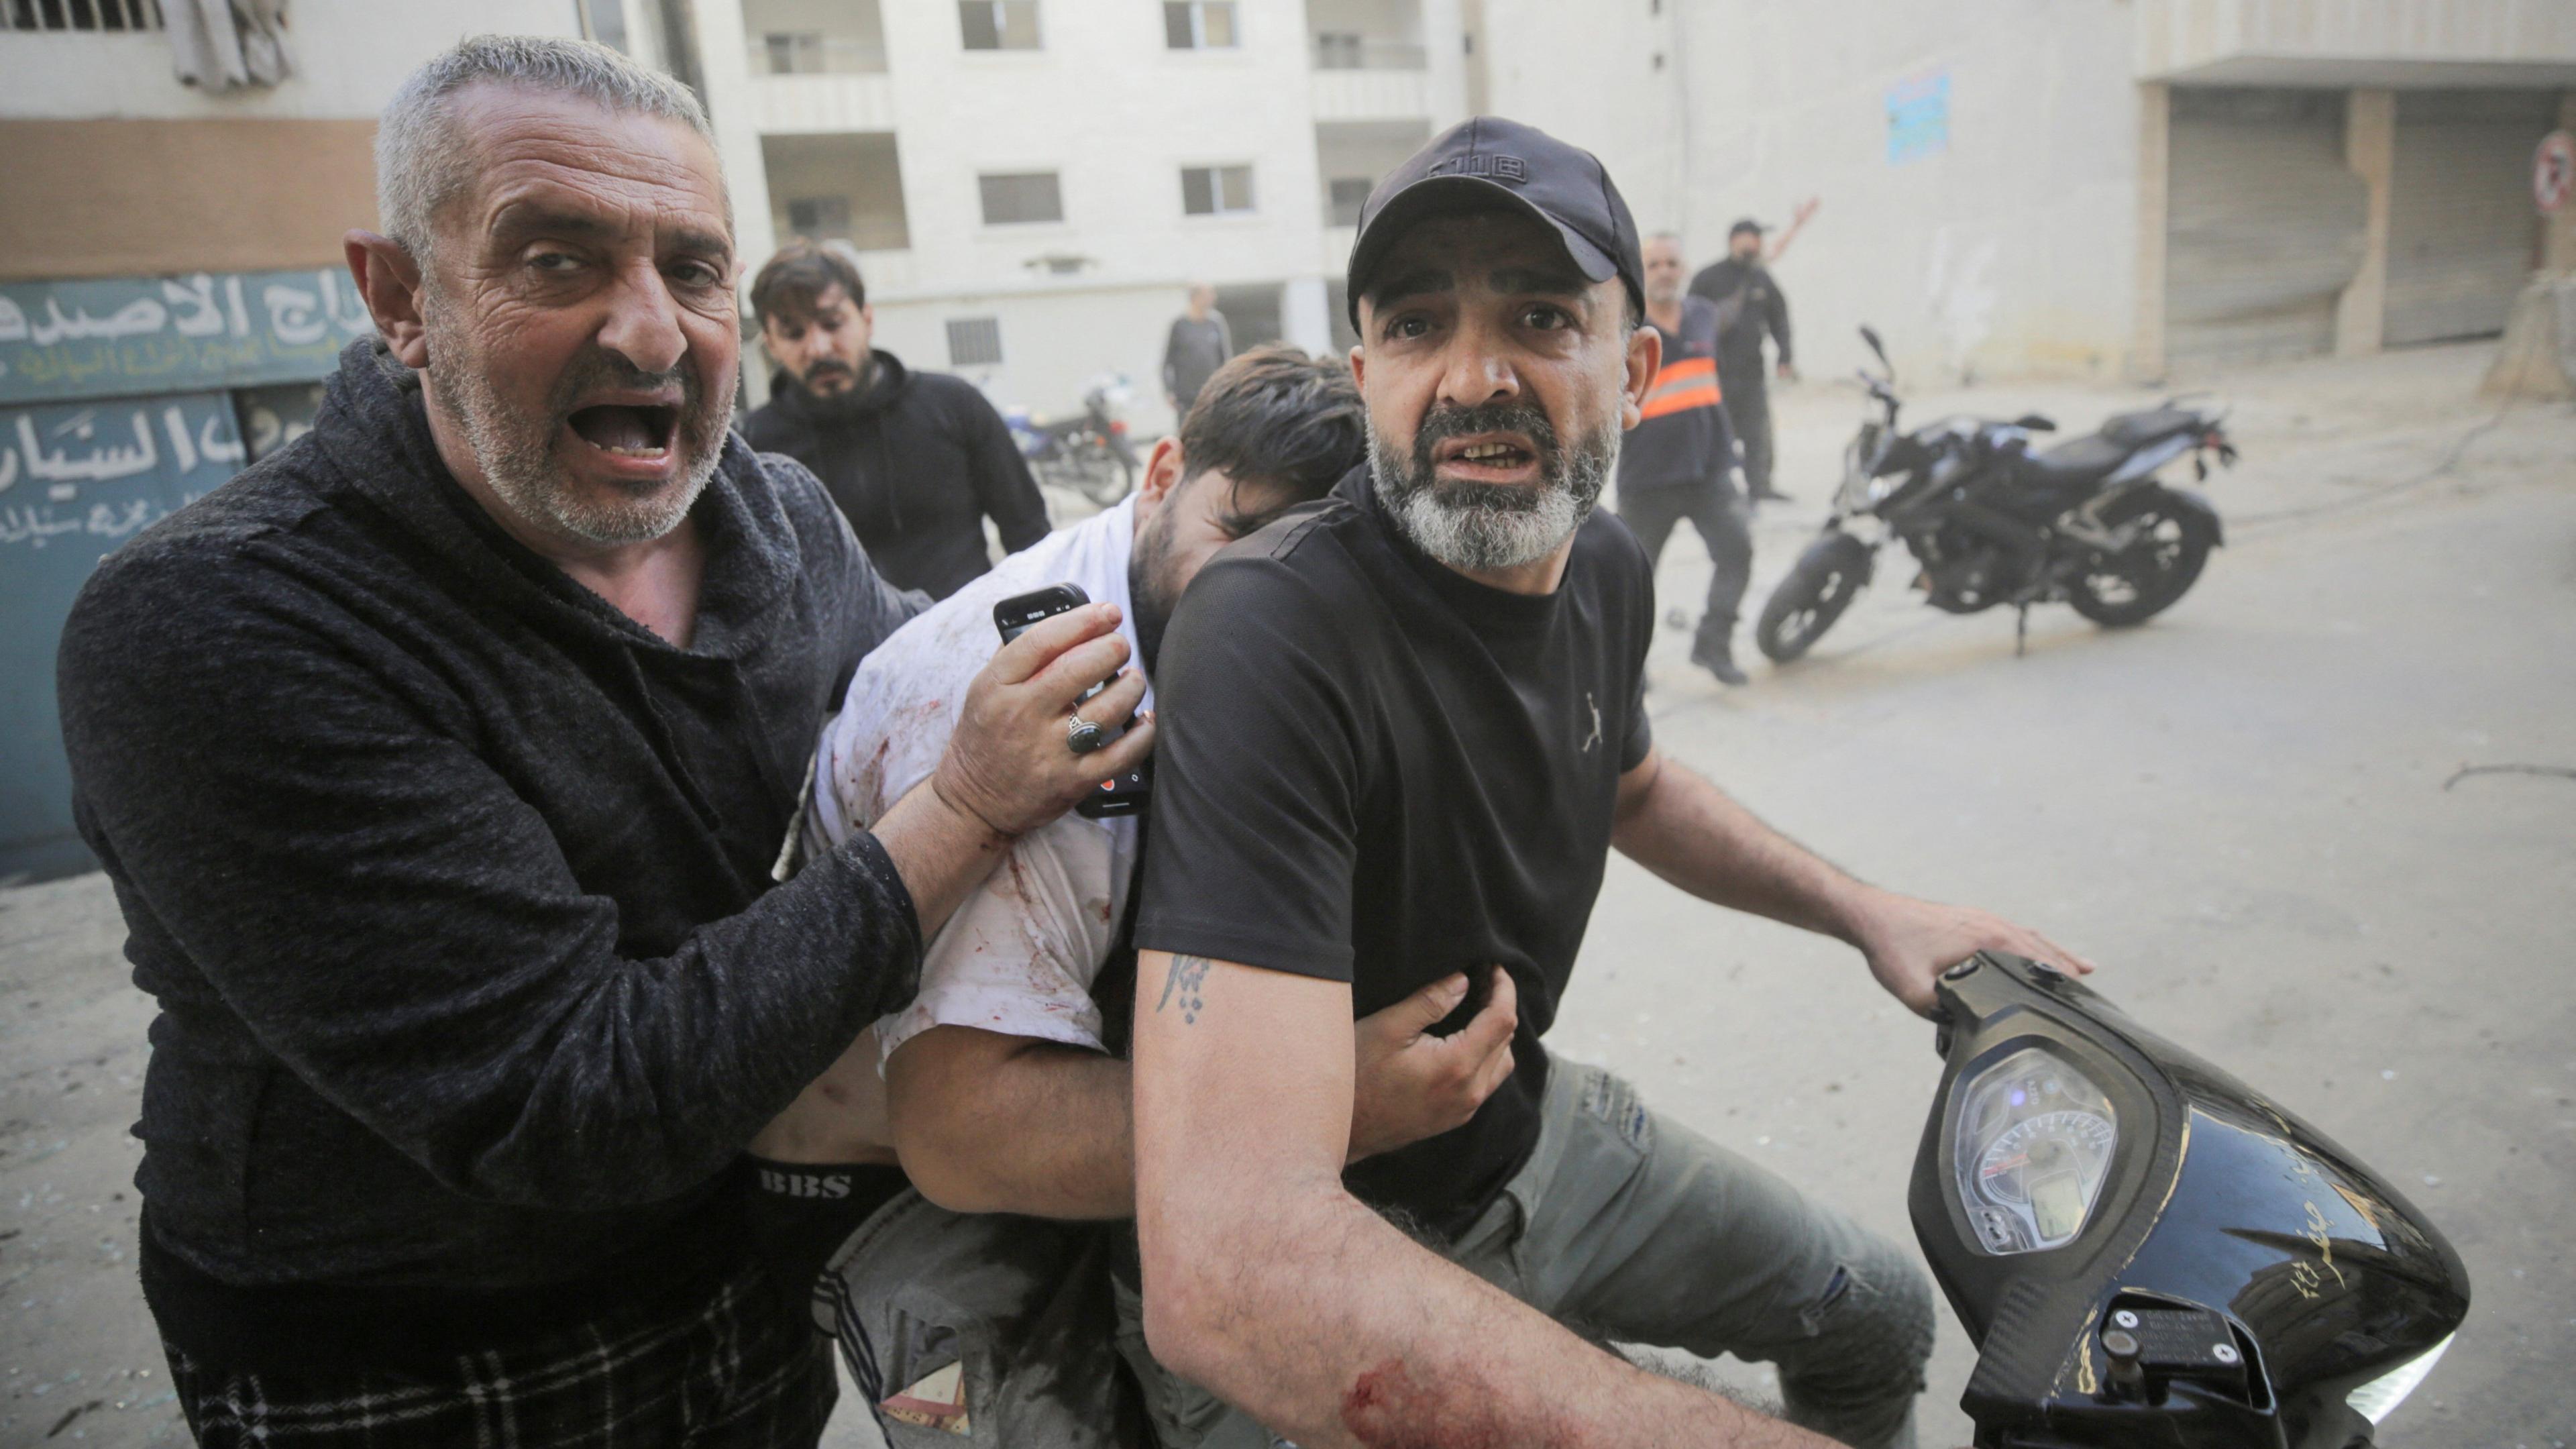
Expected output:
(2252, 811)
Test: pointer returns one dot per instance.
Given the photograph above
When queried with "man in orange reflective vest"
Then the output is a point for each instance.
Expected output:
(1680, 462)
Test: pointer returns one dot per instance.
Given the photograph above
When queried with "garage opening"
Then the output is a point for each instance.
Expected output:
(2265, 224)
(2462, 232)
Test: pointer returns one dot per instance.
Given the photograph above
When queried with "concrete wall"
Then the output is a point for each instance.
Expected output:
(2355, 42)
(2009, 247)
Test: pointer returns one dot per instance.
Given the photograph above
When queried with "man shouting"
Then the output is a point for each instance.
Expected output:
(1401, 735)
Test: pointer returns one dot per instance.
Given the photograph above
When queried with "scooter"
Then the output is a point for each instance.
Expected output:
(2145, 1251)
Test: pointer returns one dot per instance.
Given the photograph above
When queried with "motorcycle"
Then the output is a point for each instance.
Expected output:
(1088, 451)
(2148, 1253)
(1991, 522)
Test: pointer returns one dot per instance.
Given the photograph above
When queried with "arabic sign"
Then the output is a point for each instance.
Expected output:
(75, 481)
(63, 340)
(1918, 118)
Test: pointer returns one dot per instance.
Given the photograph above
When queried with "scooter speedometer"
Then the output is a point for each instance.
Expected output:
(2034, 1143)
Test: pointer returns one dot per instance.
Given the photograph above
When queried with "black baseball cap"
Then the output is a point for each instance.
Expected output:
(1478, 163)
(1741, 227)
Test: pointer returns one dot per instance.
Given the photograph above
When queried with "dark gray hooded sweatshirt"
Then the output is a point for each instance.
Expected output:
(453, 883)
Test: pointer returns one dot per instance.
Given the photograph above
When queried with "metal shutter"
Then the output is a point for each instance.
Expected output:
(2264, 224)
(2462, 231)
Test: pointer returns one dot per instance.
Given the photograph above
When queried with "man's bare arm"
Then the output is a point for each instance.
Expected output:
(1270, 1285)
(1672, 821)
(989, 1122)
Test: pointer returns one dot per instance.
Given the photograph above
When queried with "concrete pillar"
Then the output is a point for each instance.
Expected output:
(2370, 149)
(1306, 315)
(725, 72)
(2558, 247)
(2147, 329)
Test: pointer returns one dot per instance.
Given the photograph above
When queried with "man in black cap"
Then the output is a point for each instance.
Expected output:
(1745, 285)
(1401, 732)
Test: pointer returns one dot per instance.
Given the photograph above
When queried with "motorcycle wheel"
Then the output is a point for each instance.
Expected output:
(2149, 576)
(1101, 475)
(1818, 588)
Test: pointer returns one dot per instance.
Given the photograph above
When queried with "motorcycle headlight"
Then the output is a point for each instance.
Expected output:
(2032, 1151)
(2380, 1397)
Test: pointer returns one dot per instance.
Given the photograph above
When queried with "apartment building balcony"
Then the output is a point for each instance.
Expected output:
(1372, 95)
(817, 66)
(820, 103)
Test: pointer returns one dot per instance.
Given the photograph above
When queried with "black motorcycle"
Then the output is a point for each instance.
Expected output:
(1087, 451)
(2148, 1253)
(1991, 522)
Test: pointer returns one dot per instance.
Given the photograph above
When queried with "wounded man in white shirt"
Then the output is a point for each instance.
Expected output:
(962, 1176)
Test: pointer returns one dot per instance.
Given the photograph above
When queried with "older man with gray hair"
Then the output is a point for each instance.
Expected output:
(440, 762)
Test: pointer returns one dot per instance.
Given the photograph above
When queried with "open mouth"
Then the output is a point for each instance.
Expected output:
(627, 430)
(1487, 457)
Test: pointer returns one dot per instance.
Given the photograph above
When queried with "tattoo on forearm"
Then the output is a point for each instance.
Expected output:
(1188, 976)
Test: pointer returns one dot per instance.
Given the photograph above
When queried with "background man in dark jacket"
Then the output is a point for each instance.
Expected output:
(440, 761)
(916, 460)
(1742, 278)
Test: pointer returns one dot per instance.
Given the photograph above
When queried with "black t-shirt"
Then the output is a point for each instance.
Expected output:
(1373, 769)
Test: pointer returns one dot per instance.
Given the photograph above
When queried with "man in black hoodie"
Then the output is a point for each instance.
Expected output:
(916, 460)
(440, 762)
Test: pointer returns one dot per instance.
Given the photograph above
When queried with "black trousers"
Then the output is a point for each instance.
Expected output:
(1748, 411)
(1725, 526)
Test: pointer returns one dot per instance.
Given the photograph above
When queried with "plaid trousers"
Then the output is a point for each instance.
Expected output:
(737, 1373)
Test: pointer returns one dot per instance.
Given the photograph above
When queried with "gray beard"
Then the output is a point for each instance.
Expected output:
(515, 450)
(1482, 528)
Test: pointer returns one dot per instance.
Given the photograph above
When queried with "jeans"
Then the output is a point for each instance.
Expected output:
(1633, 1228)
(1725, 525)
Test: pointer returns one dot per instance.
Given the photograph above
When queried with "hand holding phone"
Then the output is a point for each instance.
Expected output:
(1122, 794)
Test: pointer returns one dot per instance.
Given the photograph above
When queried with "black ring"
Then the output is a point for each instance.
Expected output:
(1082, 736)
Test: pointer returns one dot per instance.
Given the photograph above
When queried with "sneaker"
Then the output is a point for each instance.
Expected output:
(1719, 664)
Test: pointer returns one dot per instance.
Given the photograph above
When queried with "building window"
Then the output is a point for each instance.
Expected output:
(1337, 50)
(1021, 197)
(1216, 190)
(1199, 25)
(80, 14)
(999, 24)
(794, 52)
(1350, 193)
(819, 217)
(974, 342)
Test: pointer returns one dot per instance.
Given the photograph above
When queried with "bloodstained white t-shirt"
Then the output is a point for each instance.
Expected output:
(1020, 955)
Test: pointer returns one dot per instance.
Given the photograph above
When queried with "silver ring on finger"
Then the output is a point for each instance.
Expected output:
(1082, 736)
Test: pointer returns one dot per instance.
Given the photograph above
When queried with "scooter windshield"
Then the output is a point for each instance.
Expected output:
(2034, 1145)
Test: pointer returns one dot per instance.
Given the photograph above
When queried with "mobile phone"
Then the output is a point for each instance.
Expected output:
(1124, 794)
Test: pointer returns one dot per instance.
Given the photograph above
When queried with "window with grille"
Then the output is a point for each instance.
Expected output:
(819, 217)
(80, 14)
(1350, 193)
(1199, 25)
(974, 342)
(1020, 197)
(998, 24)
(1216, 190)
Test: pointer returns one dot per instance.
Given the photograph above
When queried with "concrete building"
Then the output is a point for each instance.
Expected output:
(171, 290)
(2086, 187)
(1032, 184)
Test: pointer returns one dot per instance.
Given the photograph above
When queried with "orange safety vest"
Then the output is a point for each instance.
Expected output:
(1682, 384)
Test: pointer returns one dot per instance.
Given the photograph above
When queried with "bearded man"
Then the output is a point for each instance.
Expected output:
(1401, 735)
(440, 762)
